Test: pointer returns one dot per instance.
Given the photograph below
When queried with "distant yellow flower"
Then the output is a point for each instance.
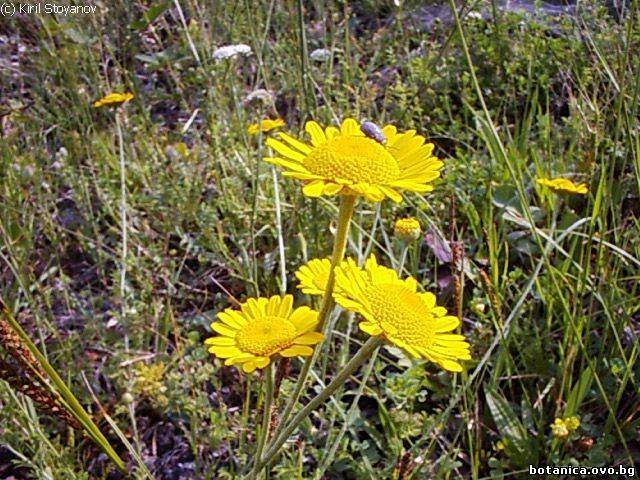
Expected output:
(407, 229)
(262, 329)
(572, 423)
(393, 309)
(265, 125)
(563, 185)
(561, 428)
(113, 99)
(314, 275)
(343, 161)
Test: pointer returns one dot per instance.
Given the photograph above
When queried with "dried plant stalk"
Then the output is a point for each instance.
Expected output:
(13, 345)
(41, 396)
(491, 293)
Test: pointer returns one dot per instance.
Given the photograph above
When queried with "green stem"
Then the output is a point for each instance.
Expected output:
(303, 56)
(266, 417)
(403, 258)
(341, 377)
(347, 205)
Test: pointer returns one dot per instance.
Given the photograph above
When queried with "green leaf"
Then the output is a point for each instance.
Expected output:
(78, 37)
(149, 16)
(578, 393)
(515, 438)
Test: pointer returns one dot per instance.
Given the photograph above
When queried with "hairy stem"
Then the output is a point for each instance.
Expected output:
(347, 204)
(266, 416)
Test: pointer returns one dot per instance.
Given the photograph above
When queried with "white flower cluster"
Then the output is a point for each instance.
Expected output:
(260, 95)
(320, 55)
(230, 51)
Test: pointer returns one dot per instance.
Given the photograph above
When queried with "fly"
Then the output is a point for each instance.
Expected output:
(373, 131)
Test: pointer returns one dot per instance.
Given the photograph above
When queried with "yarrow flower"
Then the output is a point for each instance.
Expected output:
(407, 229)
(260, 95)
(561, 428)
(265, 125)
(262, 329)
(343, 161)
(563, 185)
(320, 55)
(113, 99)
(230, 51)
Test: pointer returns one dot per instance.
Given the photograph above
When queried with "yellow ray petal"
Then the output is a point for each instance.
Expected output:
(316, 133)
(285, 151)
(220, 341)
(225, 352)
(297, 350)
(310, 338)
(445, 324)
(223, 329)
(297, 144)
(232, 319)
(314, 189)
(350, 128)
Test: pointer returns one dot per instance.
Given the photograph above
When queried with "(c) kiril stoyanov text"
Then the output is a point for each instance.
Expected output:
(54, 8)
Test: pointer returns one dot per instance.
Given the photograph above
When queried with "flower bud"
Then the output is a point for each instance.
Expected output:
(407, 229)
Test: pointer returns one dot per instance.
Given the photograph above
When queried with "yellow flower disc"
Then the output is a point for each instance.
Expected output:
(559, 428)
(266, 336)
(400, 312)
(355, 159)
(572, 423)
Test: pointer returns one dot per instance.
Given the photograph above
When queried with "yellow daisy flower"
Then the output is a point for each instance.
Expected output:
(262, 329)
(265, 125)
(314, 275)
(407, 229)
(393, 308)
(113, 99)
(563, 185)
(343, 161)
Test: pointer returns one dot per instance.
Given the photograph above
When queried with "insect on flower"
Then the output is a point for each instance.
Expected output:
(373, 131)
